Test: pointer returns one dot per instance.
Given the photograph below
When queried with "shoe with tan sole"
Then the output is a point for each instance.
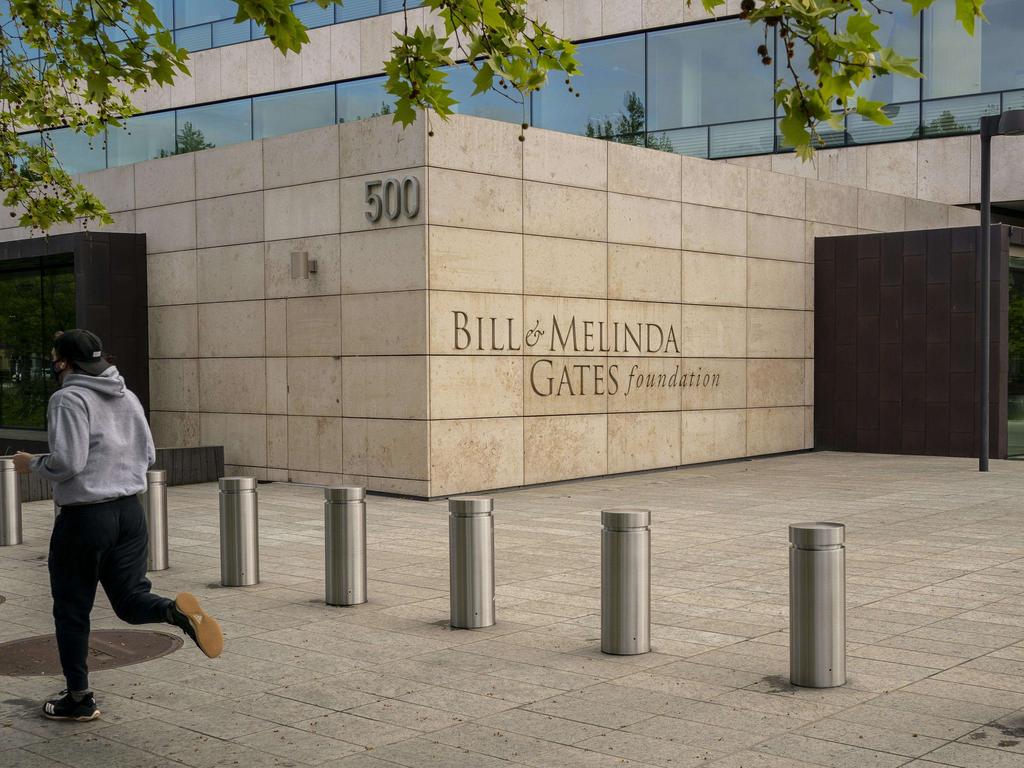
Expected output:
(197, 624)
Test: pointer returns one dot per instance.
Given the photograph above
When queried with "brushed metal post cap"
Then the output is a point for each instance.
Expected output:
(817, 535)
(625, 519)
(342, 493)
(470, 506)
(156, 476)
(6, 464)
(237, 484)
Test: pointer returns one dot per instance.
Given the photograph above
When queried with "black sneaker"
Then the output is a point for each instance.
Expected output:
(66, 708)
(197, 624)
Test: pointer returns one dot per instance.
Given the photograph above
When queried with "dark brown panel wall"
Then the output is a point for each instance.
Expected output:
(897, 342)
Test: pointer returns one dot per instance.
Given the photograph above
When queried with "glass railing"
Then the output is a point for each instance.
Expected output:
(161, 134)
(214, 34)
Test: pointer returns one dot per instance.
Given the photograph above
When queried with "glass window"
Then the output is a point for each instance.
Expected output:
(390, 6)
(38, 297)
(143, 137)
(195, 38)
(164, 11)
(956, 63)
(707, 74)
(362, 99)
(508, 105)
(227, 32)
(214, 126)
(294, 111)
(900, 30)
(611, 92)
(189, 12)
(312, 15)
(77, 152)
(356, 9)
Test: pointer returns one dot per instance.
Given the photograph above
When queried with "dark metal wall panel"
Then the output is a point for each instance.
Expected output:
(897, 345)
(184, 466)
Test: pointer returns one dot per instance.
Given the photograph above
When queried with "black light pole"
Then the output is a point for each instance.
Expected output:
(1007, 124)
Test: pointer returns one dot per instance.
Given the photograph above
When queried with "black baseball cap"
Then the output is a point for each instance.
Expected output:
(83, 348)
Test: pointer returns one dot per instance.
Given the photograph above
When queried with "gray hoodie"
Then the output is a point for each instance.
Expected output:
(100, 443)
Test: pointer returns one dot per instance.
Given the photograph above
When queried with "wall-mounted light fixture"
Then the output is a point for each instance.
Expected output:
(302, 265)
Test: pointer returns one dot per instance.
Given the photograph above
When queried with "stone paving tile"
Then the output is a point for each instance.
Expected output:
(297, 744)
(970, 756)
(592, 712)
(935, 633)
(829, 753)
(84, 750)
(361, 731)
(424, 753)
(554, 729)
(871, 737)
(414, 716)
(906, 721)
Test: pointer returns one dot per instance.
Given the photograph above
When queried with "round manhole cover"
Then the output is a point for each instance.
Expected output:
(108, 648)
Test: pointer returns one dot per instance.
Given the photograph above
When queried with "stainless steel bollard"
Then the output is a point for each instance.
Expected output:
(154, 502)
(626, 581)
(10, 504)
(471, 562)
(817, 605)
(345, 535)
(239, 532)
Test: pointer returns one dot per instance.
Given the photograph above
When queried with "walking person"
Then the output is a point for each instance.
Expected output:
(100, 449)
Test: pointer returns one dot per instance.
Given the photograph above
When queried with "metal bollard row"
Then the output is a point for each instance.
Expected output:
(471, 562)
(239, 532)
(626, 581)
(10, 504)
(817, 605)
(154, 502)
(345, 545)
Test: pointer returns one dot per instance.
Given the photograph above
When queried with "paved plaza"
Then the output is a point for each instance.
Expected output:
(935, 632)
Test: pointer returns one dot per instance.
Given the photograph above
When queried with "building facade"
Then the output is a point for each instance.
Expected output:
(488, 312)
(656, 72)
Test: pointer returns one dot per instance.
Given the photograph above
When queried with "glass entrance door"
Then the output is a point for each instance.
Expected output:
(1015, 337)
(37, 298)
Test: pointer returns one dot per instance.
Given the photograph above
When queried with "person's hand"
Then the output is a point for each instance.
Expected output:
(21, 462)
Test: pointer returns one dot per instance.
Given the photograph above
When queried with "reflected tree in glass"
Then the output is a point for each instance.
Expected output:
(629, 127)
(189, 139)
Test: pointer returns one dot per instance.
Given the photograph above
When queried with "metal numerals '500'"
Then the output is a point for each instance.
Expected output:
(391, 198)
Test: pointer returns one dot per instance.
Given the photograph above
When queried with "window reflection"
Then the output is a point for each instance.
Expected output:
(900, 30)
(143, 137)
(706, 74)
(38, 298)
(956, 63)
(613, 70)
(77, 152)
(291, 112)
(362, 99)
(215, 125)
(189, 12)
(508, 105)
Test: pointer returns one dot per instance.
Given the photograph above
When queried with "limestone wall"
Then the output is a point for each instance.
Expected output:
(946, 170)
(553, 308)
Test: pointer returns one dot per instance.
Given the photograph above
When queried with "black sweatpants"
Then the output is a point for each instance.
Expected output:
(103, 543)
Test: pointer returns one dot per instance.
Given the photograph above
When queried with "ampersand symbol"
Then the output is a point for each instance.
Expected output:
(533, 335)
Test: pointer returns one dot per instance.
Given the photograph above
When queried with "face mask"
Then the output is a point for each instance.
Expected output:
(55, 371)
